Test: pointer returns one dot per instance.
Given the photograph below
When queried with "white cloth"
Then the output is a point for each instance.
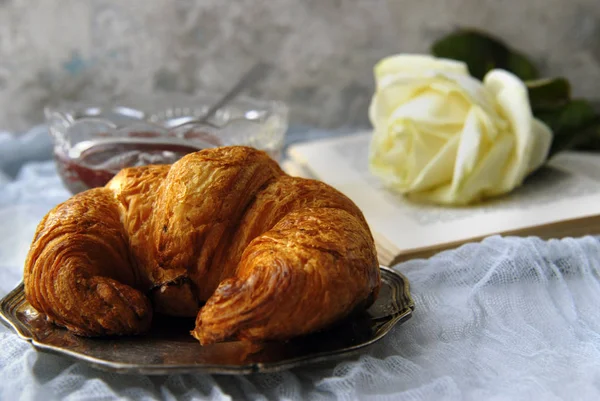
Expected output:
(507, 319)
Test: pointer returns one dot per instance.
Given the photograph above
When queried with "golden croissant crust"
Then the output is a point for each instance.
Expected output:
(222, 235)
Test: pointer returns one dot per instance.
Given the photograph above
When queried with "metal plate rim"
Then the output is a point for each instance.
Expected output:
(255, 367)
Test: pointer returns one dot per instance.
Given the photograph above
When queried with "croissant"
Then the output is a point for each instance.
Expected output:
(223, 235)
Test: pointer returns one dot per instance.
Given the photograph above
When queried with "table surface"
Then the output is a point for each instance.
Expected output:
(507, 318)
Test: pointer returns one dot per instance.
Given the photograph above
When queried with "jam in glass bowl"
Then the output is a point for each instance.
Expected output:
(93, 142)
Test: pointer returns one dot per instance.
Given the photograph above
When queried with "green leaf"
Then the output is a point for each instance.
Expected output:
(548, 93)
(482, 53)
(520, 65)
(592, 137)
(572, 124)
(591, 142)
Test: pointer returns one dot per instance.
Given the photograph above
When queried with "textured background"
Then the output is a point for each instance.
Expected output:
(324, 49)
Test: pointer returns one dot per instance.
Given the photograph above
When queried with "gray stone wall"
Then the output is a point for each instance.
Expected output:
(323, 50)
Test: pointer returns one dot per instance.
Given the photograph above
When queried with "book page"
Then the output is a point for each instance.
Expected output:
(567, 188)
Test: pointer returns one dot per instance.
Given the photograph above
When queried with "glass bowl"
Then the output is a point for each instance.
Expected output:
(93, 142)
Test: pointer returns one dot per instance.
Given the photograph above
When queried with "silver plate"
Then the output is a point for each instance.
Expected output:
(169, 348)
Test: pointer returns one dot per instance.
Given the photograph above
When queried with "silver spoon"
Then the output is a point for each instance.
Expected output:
(251, 77)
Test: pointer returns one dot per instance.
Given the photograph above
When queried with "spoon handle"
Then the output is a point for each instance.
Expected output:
(253, 75)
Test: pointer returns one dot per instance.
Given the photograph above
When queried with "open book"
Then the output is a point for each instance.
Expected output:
(561, 199)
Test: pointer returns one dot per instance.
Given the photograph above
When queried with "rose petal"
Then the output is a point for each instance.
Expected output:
(474, 91)
(444, 132)
(439, 169)
(468, 151)
(492, 124)
(415, 64)
(513, 102)
(388, 99)
(483, 181)
(389, 158)
(433, 107)
(479, 184)
(542, 140)
(423, 150)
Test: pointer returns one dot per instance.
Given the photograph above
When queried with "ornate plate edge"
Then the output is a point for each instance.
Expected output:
(7, 319)
(12, 323)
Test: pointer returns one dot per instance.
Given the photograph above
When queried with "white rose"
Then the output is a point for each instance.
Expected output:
(444, 137)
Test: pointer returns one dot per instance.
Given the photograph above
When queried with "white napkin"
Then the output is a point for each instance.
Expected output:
(17, 149)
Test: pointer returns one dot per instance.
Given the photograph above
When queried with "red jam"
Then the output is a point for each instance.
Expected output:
(93, 163)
